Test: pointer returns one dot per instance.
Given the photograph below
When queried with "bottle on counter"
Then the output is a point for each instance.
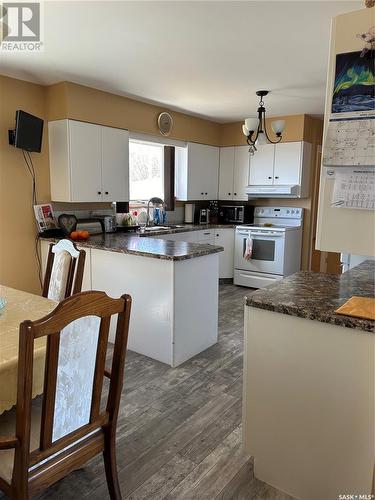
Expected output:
(156, 216)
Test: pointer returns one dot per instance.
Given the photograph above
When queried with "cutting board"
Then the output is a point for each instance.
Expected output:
(359, 307)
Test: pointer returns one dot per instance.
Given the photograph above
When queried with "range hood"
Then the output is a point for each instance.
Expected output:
(270, 191)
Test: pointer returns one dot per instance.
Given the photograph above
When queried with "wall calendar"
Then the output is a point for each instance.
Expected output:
(354, 189)
(350, 135)
(350, 142)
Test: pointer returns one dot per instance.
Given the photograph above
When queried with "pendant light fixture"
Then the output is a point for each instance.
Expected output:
(255, 128)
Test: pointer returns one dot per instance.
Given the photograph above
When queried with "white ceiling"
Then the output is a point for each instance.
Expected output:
(205, 58)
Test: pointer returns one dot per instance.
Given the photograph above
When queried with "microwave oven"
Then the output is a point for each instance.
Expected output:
(236, 214)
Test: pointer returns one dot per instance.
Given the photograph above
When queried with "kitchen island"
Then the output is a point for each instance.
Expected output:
(309, 385)
(174, 286)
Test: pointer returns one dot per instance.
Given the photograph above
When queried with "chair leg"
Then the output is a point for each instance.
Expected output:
(109, 455)
(20, 493)
(20, 486)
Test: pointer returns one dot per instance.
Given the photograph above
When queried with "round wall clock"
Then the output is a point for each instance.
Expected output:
(165, 123)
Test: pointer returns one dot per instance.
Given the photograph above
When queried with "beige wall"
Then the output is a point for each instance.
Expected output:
(68, 100)
(17, 249)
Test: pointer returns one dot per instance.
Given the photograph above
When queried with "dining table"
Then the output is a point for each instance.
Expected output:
(19, 306)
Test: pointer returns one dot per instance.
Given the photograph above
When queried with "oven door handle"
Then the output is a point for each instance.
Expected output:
(265, 235)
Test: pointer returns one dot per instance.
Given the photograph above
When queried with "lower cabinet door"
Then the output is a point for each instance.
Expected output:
(225, 238)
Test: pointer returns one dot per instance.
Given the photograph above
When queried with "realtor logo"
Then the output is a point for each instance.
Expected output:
(20, 27)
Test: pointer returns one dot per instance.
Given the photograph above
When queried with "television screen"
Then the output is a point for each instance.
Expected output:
(29, 131)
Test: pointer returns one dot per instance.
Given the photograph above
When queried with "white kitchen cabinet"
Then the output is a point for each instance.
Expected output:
(206, 236)
(287, 166)
(226, 173)
(234, 173)
(225, 238)
(115, 164)
(197, 172)
(84, 156)
(241, 172)
(189, 237)
(283, 164)
(88, 162)
(261, 165)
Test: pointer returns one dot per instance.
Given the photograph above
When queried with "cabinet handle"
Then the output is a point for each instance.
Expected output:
(106, 192)
(276, 177)
(235, 194)
(269, 177)
(228, 194)
(99, 192)
(202, 193)
(206, 234)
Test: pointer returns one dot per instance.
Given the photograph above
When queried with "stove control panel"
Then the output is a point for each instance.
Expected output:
(278, 212)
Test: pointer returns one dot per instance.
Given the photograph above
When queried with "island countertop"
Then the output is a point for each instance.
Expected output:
(146, 247)
(316, 296)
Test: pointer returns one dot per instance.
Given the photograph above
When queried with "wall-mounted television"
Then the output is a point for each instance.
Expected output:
(28, 132)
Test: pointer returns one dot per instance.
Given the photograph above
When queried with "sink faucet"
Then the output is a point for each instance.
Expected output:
(155, 202)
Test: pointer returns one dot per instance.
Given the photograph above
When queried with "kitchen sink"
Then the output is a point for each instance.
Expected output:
(161, 228)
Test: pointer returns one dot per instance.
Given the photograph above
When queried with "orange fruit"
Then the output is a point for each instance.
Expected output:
(74, 235)
(84, 234)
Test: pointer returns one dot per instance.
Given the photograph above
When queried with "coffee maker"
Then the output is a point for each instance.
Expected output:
(204, 216)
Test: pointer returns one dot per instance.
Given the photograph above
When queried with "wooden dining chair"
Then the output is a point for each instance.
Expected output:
(64, 271)
(72, 428)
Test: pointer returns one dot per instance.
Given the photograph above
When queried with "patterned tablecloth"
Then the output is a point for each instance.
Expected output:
(20, 306)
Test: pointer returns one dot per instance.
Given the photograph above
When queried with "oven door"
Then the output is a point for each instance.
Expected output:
(267, 251)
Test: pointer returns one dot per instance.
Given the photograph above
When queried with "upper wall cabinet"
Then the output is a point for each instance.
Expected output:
(197, 172)
(283, 164)
(234, 173)
(88, 162)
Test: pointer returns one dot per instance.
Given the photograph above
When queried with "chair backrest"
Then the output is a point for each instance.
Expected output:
(64, 270)
(76, 335)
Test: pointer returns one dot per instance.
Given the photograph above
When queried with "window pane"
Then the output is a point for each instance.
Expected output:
(146, 170)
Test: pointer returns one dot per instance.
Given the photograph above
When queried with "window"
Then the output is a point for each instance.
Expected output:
(146, 170)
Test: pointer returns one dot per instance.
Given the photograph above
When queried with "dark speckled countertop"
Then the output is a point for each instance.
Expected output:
(187, 228)
(146, 247)
(316, 296)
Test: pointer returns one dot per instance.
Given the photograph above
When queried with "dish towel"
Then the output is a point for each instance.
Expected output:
(248, 249)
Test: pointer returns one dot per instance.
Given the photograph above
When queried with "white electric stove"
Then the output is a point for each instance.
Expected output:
(270, 248)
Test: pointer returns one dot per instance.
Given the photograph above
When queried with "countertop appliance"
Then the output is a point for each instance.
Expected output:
(98, 224)
(204, 216)
(270, 248)
(236, 214)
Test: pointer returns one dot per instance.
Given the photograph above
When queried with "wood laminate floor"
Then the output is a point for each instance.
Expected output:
(179, 431)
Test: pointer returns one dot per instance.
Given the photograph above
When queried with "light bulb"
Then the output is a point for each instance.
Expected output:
(245, 130)
(251, 124)
(262, 139)
(278, 126)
